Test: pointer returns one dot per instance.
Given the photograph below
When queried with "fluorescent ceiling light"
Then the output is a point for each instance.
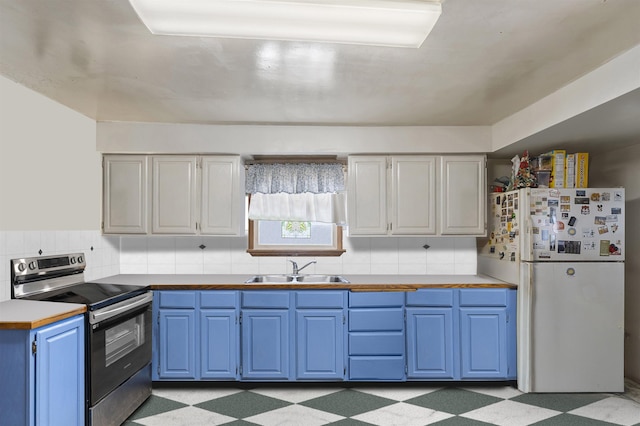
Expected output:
(398, 23)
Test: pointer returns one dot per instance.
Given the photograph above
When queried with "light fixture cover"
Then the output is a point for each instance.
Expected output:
(398, 23)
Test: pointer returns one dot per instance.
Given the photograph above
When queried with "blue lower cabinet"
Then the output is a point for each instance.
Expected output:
(430, 344)
(196, 335)
(42, 375)
(265, 344)
(218, 344)
(177, 344)
(376, 336)
(483, 343)
(320, 344)
(487, 334)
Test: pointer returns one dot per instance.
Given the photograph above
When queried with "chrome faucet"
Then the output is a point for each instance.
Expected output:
(297, 270)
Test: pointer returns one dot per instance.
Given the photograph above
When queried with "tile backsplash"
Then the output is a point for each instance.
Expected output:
(227, 255)
(110, 255)
(102, 252)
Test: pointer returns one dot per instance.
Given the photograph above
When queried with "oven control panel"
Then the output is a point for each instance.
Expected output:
(47, 265)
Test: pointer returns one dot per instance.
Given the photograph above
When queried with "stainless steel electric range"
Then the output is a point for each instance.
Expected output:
(118, 331)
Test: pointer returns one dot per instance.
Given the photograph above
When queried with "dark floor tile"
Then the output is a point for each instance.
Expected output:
(454, 401)
(559, 401)
(348, 403)
(460, 421)
(243, 404)
(155, 405)
(571, 420)
(241, 423)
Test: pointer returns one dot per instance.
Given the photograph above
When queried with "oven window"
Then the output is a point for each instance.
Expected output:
(124, 338)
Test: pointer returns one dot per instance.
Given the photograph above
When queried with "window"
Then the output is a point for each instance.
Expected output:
(294, 238)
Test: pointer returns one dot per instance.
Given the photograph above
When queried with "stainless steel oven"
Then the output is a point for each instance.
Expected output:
(118, 331)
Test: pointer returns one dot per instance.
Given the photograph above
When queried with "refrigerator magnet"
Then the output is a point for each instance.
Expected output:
(585, 210)
(581, 200)
(604, 247)
(595, 196)
(616, 210)
(617, 196)
(571, 231)
(606, 196)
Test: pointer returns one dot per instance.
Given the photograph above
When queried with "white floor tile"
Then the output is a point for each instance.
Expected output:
(296, 395)
(187, 416)
(398, 393)
(192, 396)
(614, 410)
(510, 413)
(504, 392)
(402, 414)
(294, 415)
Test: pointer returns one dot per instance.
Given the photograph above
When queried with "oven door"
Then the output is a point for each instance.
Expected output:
(120, 344)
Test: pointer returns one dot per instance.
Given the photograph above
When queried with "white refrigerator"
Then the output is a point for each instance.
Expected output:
(565, 250)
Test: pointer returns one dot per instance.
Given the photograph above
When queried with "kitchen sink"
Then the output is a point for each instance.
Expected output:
(306, 279)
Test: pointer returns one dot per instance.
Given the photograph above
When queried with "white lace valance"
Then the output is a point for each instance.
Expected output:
(295, 178)
(329, 208)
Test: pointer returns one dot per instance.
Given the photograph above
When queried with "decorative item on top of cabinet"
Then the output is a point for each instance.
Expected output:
(177, 194)
(417, 195)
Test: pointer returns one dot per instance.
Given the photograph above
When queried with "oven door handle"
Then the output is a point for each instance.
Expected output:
(118, 308)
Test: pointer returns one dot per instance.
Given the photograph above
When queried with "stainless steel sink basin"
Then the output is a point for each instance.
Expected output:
(306, 279)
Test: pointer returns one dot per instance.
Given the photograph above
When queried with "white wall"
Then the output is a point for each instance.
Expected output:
(50, 173)
(50, 184)
(116, 137)
(621, 167)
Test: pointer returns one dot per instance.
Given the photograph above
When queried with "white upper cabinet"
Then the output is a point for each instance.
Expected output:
(413, 195)
(125, 204)
(367, 195)
(174, 194)
(416, 195)
(222, 209)
(463, 195)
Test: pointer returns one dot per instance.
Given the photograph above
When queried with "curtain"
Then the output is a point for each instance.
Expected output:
(295, 178)
(300, 192)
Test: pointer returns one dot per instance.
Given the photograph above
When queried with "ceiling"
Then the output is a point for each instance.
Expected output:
(484, 61)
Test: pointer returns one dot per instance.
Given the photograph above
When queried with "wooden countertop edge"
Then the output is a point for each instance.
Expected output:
(30, 325)
(337, 286)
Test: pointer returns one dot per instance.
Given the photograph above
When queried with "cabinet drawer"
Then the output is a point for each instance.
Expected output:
(376, 368)
(177, 299)
(218, 299)
(376, 344)
(376, 320)
(431, 297)
(376, 299)
(483, 297)
(265, 299)
(319, 299)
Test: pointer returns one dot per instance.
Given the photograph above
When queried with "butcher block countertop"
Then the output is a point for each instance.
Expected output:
(356, 282)
(30, 314)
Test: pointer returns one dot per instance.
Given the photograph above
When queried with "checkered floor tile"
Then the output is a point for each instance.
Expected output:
(406, 404)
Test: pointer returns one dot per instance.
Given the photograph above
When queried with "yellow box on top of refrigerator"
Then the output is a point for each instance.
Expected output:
(582, 170)
(557, 167)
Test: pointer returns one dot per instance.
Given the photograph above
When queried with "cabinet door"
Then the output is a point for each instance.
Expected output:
(265, 344)
(320, 344)
(59, 374)
(463, 195)
(367, 195)
(125, 194)
(174, 195)
(177, 344)
(218, 340)
(483, 343)
(430, 351)
(222, 209)
(413, 195)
